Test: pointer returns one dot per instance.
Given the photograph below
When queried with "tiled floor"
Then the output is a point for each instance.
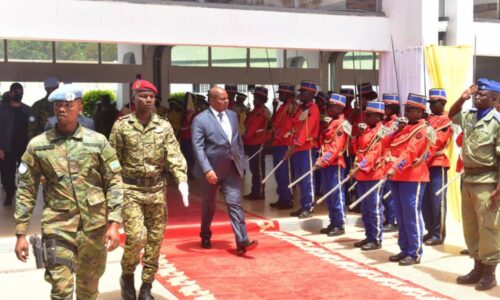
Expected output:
(439, 267)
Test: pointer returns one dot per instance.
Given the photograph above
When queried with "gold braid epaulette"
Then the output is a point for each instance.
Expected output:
(410, 135)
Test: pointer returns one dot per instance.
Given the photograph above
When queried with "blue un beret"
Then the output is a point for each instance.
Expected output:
(66, 92)
(490, 85)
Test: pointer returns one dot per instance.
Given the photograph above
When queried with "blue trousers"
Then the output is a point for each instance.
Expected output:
(303, 162)
(330, 177)
(230, 183)
(371, 210)
(407, 198)
(348, 166)
(257, 168)
(282, 175)
(389, 214)
(434, 207)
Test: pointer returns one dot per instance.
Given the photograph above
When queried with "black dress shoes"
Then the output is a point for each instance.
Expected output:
(296, 213)
(371, 246)
(243, 248)
(305, 214)
(206, 244)
(397, 257)
(254, 197)
(336, 231)
(473, 276)
(360, 244)
(326, 229)
(408, 261)
(433, 241)
(283, 206)
(427, 236)
(274, 204)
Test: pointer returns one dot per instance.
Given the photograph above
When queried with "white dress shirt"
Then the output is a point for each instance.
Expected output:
(226, 125)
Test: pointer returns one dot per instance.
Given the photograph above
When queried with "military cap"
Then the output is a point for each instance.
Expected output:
(375, 107)
(337, 99)
(308, 86)
(417, 101)
(66, 92)
(141, 85)
(347, 92)
(366, 90)
(321, 96)
(51, 82)
(437, 94)
(391, 98)
(241, 96)
(286, 88)
(490, 85)
(260, 90)
(231, 88)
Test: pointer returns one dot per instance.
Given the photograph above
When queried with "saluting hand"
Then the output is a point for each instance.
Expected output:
(22, 251)
(469, 92)
(112, 236)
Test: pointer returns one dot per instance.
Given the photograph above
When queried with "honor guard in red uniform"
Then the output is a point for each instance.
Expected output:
(408, 177)
(256, 134)
(349, 154)
(331, 162)
(304, 150)
(434, 207)
(284, 125)
(392, 106)
(369, 150)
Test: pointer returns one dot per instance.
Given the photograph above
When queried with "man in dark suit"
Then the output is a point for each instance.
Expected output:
(219, 156)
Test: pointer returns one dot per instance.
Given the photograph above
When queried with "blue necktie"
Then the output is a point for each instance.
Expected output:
(220, 117)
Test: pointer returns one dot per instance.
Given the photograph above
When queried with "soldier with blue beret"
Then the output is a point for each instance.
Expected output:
(481, 187)
(82, 199)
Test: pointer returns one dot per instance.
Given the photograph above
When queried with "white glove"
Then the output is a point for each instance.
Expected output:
(184, 189)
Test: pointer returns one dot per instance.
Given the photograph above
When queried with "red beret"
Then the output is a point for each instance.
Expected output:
(144, 85)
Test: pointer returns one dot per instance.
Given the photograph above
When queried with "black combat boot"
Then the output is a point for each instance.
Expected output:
(127, 285)
(473, 276)
(488, 281)
(145, 291)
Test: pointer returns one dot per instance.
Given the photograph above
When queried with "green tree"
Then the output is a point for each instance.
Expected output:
(91, 97)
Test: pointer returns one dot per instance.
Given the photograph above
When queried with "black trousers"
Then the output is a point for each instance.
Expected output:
(8, 171)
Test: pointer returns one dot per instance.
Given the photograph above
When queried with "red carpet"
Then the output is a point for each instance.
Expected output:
(283, 266)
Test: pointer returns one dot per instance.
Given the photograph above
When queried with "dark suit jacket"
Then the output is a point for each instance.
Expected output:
(7, 124)
(212, 150)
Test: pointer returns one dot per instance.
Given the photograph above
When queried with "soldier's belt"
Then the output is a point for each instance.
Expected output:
(144, 181)
(478, 171)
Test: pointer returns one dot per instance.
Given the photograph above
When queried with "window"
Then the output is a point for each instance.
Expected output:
(29, 51)
(302, 59)
(362, 61)
(76, 52)
(229, 57)
(486, 9)
(109, 54)
(2, 49)
(265, 58)
(190, 56)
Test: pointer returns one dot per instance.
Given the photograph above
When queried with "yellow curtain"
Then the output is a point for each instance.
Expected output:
(448, 68)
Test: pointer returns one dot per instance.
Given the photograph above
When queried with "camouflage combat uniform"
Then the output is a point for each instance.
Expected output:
(144, 152)
(83, 191)
(42, 110)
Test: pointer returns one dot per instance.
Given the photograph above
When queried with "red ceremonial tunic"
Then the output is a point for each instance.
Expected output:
(369, 154)
(442, 126)
(285, 122)
(333, 143)
(308, 129)
(256, 132)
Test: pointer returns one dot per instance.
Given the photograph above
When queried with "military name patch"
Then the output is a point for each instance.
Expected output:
(114, 165)
(45, 147)
(22, 168)
(159, 129)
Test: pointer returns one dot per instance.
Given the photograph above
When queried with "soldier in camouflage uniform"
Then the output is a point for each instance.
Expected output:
(481, 184)
(43, 109)
(82, 199)
(145, 144)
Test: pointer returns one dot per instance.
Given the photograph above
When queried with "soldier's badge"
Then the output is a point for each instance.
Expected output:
(22, 168)
(159, 129)
(114, 165)
(418, 136)
(32, 119)
(339, 133)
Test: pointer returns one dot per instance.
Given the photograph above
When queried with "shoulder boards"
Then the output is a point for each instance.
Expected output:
(473, 109)
(43, 147)
(347, 127)
(383, 131)
(496, 115)
(431, 134)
